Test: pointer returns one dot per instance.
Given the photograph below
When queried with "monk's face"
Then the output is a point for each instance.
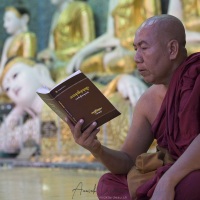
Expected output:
(12, 23)
(151, 55)
(20, 83)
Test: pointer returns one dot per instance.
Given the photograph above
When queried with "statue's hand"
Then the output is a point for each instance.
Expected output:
(14, 118)
(111, 42)
(10, 122)
(75, 63)
(2, 129)
(130, 87)
(47, 57)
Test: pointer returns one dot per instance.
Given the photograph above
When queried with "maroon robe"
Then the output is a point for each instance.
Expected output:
(175, 127)
(178, 121)
(113, 186)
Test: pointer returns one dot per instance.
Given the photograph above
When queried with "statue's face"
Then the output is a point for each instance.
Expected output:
(12, 23)
(20, 84)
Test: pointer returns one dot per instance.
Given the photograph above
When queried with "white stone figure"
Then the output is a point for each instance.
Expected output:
(20, 80)
(21, 41)
(131, 87)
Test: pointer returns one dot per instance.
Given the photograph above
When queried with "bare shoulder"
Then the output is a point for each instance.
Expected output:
(140, 137)
(151, 100)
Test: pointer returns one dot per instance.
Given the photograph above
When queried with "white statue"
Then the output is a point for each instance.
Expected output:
(21, 42)
(20, 80)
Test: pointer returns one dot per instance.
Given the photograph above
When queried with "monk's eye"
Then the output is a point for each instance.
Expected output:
(15, 75)
(143, 47)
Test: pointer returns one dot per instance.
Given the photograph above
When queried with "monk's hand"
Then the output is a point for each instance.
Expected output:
(88, 138)
(164, 191)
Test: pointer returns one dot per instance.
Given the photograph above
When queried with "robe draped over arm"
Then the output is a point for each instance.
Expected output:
(178, 121)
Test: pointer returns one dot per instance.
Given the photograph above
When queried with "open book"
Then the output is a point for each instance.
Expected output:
(77, 98)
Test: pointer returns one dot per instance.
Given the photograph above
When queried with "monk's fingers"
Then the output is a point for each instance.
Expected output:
(91, 142)
(69, 123)
(77, 133)
(92, 136)
(88, 134)
(75, 129)
(89, 131)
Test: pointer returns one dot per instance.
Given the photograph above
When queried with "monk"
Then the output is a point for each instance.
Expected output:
(168, 111)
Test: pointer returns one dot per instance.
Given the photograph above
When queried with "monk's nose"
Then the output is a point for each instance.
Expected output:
(137, 57)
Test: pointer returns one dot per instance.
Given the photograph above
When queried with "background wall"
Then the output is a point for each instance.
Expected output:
(41, 15)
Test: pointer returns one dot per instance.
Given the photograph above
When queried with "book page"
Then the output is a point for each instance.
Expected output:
(68, 77)
(43, 90)
(46, 90)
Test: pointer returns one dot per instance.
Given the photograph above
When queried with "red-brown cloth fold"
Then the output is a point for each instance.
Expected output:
(178, 121)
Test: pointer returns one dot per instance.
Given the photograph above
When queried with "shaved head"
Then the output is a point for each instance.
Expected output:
(160, 48)
(167, 27)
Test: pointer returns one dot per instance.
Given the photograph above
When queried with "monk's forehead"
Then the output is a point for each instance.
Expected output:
(151, 25)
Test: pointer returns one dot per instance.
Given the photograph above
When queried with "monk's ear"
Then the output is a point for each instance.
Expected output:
(173, 48)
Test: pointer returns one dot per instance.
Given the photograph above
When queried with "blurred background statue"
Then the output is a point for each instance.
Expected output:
(112, 52)
(72, 28)
(188, 11)
(108, 59)
(21, 41)
(123, 90)
(20, 79)
(32, 120)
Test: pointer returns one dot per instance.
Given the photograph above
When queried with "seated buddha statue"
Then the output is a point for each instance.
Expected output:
(112, 52)
(72, 28)
(21, 41)
(189, 13)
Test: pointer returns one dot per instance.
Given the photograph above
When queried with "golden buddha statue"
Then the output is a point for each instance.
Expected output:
(188, 11)
(21, 41)
(112, 51)
(71, 29)
(109, 58)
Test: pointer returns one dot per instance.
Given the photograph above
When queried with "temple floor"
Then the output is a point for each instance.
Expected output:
(48, 183)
